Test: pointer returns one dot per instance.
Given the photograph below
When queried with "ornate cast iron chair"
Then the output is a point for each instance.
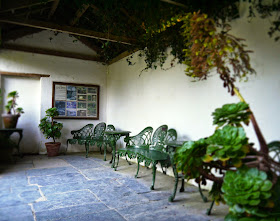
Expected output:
(109, 127)
(82, 137)
(98, 136)
(134, 144)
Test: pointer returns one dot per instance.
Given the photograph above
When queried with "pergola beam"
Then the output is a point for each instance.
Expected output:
(53, 9)
(14, 7)
(69, 30)
(51, 52)
(175, 3)
(79, 14)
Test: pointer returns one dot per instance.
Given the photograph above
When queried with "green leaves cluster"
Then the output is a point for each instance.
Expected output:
(189, 158)
(247, 191)
(232, 114)
(227, 144)
(49, 127)
(11, 104)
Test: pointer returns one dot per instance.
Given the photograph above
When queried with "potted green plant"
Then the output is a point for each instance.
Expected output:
(11, 118)
(51, 129)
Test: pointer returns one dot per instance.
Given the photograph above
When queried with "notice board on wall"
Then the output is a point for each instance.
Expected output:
(76, 101)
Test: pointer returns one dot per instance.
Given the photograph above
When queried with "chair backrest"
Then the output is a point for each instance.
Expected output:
(99, 130)
(85, 132)
(171, 135)
(159, 136)
(141, 139)
(110, 127)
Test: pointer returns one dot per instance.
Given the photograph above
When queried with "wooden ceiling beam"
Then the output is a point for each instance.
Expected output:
(24, 74)
(174, 3)
(69, 30)
(50, 52)
(53, 9)
(15, 6)
(79, 14)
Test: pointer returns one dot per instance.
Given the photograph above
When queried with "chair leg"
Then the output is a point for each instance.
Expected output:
(105, 150)
(116, 166)
(87, 149)
(201, 194)
(127, 160)
(172, 197)
(66, 147)
(154, 175)
(183, 185)
(138, 166)
(208, 212)
(100, 148)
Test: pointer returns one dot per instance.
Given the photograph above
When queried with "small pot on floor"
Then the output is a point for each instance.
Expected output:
(53, 148)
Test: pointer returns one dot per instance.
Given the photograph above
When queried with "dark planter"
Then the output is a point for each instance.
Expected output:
(53, 148)
(10, 120)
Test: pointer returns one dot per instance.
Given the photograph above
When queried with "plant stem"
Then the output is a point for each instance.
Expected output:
(262, 142)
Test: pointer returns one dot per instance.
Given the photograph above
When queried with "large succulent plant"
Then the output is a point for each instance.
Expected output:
(246, 191)
(227, 143)
(232, 114)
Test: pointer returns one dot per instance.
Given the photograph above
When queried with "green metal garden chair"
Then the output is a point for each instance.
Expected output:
(82, 137)
(109, 127)
(98, 136)
(134, 144)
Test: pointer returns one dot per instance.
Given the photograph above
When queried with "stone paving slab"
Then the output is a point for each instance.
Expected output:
(119, 196)
(50, 171)
(72, 211)
(62, 200)
(134, 184)
(16, 213)
(97, 173)
(110, 215)
(57, 179)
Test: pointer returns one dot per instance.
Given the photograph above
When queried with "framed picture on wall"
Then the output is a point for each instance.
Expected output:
(76, 101)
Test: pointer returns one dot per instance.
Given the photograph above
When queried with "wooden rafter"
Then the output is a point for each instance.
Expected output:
(15, 6)
(69, 30)
(132, 18)
(79, 14)
(53, 9)
(51, 52)
(24, 74)
(175, 3)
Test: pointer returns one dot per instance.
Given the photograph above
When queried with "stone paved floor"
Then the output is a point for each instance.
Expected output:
(73, 188)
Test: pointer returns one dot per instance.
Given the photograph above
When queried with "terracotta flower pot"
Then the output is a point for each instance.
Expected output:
(10, 120)
(53, 148)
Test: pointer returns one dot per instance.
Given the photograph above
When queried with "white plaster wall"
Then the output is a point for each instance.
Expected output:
(62, 70)
(30, 100)
(156, 97)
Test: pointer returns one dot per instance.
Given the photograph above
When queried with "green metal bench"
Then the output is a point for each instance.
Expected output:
(147, 149)
(88, 135)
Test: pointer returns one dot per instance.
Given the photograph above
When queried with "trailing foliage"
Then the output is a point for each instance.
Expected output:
(49, 127)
